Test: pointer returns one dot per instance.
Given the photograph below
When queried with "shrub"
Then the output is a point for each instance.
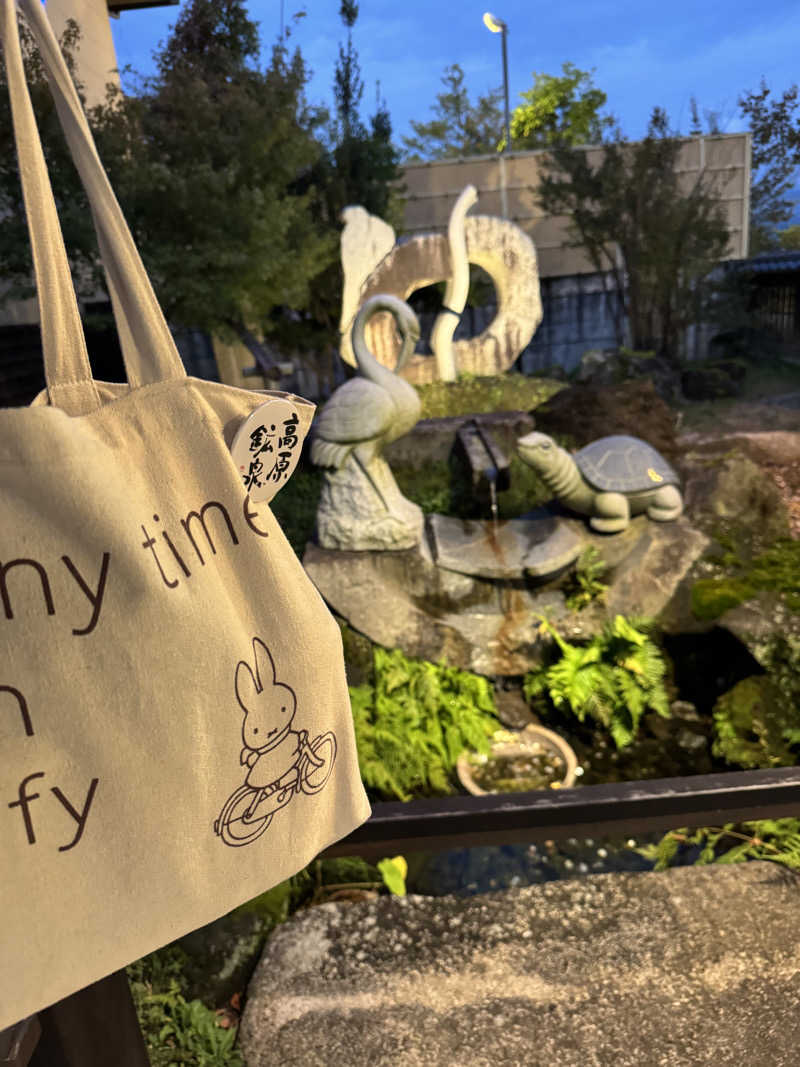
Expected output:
(614, 678)
(413, 724)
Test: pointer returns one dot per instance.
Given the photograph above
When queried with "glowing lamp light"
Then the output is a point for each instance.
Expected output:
(493, 23)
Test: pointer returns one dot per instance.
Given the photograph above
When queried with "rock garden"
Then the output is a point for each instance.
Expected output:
(656, 649)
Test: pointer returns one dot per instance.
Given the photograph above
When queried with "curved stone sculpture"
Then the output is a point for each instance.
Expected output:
(360, 506)
(457, 289)
(610, 479)
(500, 247)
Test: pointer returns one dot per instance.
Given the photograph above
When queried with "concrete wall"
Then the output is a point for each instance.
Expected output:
(97, 59)
(507, 187)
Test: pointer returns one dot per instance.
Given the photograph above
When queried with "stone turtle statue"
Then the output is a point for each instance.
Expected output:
(610, 479)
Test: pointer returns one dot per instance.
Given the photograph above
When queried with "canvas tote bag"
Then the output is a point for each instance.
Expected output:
(175, 725)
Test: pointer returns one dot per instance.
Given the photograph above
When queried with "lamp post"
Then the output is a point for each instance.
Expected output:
(496, 25)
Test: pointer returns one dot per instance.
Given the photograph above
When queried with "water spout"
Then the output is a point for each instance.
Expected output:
(493, 496)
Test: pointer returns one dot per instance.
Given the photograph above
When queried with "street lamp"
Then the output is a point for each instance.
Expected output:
(496, 25)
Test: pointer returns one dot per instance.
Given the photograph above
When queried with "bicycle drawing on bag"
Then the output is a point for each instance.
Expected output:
(281, 762)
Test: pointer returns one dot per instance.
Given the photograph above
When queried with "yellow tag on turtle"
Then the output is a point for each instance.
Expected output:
(653, 476)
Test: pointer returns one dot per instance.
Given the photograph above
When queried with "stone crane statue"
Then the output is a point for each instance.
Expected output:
(360, 504)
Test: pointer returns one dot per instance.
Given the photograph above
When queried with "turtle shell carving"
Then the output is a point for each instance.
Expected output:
(621, 464)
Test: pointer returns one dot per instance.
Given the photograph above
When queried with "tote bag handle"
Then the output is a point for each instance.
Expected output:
(148, 347)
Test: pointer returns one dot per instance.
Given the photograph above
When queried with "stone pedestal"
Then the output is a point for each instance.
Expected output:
(363, 510)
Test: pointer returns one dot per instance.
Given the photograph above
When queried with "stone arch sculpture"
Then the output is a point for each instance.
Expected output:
(374, 263)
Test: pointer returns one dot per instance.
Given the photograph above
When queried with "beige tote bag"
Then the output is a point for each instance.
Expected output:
(175, 725)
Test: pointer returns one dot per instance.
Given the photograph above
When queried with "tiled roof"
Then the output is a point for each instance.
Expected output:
(769, 262)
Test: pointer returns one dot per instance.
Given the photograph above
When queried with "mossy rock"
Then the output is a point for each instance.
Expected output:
(749, 725)
(776, 570)
(730, 498)
(472, 395)
(712, 597)
(219, 959)
(358, 655)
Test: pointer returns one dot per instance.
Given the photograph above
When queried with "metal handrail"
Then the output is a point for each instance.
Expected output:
(620, 808)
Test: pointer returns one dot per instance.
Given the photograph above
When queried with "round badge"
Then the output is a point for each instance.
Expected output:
(266, 448)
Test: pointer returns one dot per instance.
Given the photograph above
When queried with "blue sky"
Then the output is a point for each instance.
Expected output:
(645, 54)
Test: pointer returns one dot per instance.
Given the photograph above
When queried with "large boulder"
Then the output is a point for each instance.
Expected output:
(613, 366)
(595, 969)
(588, 412)
(727, 492)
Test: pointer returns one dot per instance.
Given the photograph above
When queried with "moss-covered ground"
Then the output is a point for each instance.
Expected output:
(471, 394)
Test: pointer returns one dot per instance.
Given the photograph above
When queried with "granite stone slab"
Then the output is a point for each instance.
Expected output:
(691, 967)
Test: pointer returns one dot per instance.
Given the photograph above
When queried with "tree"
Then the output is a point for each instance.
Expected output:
(560, 110)
(362, 163)
(205, 159)
(668, 240)
(712, 120)
(359, 166)
(460, 128)
(73, 208)
(776, 156)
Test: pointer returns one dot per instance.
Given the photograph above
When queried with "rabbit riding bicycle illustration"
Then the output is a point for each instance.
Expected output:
(281, 761)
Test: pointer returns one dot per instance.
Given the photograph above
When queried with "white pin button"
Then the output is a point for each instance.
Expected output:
(266, 448)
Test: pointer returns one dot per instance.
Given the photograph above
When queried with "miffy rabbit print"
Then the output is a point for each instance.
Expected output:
(280, 759)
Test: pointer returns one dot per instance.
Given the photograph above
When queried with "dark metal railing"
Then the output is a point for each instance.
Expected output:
(597, 810)
(76, 1032)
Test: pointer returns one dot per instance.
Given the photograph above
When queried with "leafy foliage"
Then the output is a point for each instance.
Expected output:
(393, 872)
(584, 584)
(755, 727)
(71, 202)
(359, 165)
(560, 110)
(776, 155)
(777, 840)
(459, 128)
(205, 157)
(614, 678)
(413, 724)
(295, 507)
(178, 1031)
(668, 240)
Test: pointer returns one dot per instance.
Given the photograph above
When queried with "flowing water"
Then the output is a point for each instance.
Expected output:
(493, 499)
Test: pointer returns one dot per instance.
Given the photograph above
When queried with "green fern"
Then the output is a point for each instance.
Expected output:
(177, 1031)
(413, 724)
(584, 584)
(613, 679)
(776, 840)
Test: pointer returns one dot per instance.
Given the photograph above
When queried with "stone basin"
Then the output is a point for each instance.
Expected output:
(452, 597)
(541, 546)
